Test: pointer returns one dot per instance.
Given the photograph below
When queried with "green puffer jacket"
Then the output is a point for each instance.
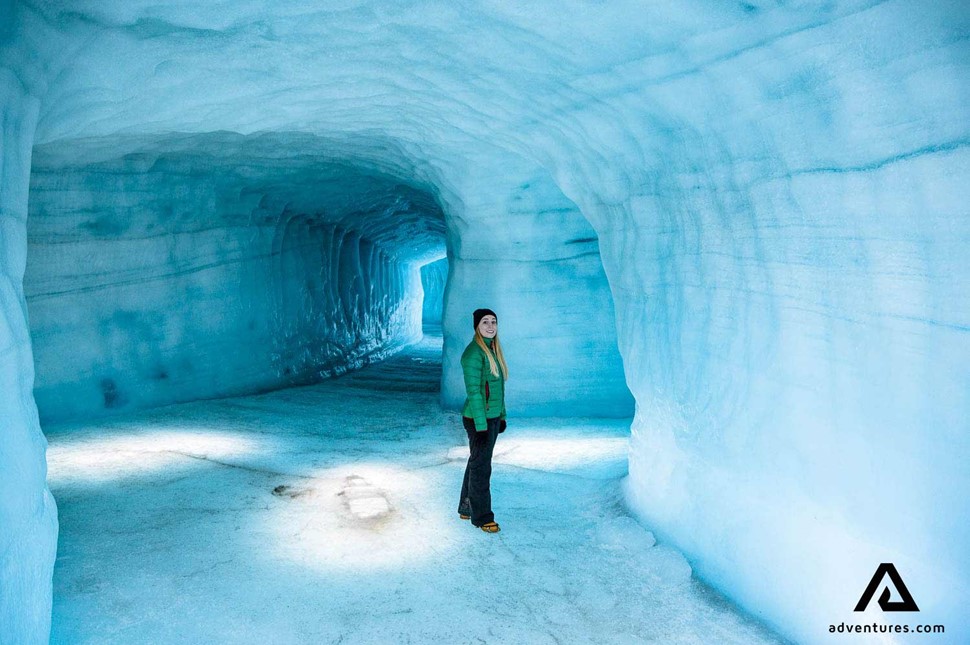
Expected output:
(486, 393)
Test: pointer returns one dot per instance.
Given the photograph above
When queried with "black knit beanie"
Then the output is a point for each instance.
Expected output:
(481, 313)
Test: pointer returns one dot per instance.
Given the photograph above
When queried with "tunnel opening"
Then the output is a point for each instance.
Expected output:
(183, 267)
(434, 276)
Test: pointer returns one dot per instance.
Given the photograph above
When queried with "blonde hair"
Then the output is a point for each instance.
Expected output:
(497, 347)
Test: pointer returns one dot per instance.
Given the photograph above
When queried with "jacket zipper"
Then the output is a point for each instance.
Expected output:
(486, 391)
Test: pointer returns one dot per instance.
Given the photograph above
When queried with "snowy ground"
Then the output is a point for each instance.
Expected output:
(327, 514)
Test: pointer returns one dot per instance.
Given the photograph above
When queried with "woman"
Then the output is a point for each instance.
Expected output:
(483, 416)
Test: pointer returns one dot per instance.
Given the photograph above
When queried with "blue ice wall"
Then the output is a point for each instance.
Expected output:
(526, 252)
(212, 266)
(434, 275)
(761, 207)
(28, 514)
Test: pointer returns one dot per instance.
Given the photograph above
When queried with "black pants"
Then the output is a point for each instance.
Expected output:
(476, 497)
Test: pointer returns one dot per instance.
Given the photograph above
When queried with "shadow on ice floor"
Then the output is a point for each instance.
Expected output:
(327, 514)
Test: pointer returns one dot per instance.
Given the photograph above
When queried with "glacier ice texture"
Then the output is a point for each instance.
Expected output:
(434, 276)
(217, 237)
(748, 218)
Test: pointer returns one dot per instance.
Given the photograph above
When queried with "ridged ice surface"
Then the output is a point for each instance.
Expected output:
(760, 206)
(208, 265)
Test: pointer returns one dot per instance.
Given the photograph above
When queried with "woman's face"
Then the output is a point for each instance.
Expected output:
(488, 326)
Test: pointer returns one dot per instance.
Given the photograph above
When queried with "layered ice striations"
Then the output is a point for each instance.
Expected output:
(526, 251)
(209, 265)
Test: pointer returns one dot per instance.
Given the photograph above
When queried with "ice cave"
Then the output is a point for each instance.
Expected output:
(240, 246)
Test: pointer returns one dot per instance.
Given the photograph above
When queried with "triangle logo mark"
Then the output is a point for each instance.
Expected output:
(906, 604)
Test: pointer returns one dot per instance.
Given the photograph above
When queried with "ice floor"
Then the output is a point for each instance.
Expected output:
(327, 514)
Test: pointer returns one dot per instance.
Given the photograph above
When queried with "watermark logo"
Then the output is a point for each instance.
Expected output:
(887, 569)
(884, 570)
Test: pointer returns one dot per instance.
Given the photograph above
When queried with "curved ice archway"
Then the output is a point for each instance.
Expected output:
(780, 199)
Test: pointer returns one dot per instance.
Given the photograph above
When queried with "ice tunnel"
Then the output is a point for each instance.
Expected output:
(742, 223)
(274, 264)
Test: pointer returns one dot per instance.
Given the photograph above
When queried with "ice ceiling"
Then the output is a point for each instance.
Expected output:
(761, 206)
